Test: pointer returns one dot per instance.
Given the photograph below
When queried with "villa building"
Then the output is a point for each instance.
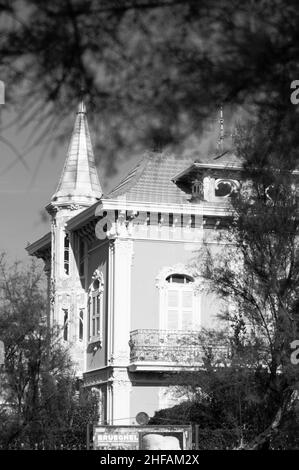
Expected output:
(120, 278)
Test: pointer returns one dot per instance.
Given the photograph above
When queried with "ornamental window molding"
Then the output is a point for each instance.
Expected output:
(172, 314)
(226, 187)
(161, 279)
(95, 308)
(97, 276)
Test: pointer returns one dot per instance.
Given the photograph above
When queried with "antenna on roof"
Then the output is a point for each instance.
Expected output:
(221, 134)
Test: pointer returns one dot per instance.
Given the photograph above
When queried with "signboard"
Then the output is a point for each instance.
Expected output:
(142, 437)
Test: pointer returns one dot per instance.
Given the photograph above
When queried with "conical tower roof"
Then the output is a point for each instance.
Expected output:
(79, 182)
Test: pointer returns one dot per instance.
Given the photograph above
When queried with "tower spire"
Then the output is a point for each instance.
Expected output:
(79, 182)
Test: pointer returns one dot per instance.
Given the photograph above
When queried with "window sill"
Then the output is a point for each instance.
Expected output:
(95, 340)
(94, 345)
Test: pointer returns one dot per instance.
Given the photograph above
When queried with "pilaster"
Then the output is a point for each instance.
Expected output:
(123, 256)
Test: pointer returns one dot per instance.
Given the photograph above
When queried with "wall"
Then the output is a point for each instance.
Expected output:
(143, 398)
(98, 258)
(150, 257)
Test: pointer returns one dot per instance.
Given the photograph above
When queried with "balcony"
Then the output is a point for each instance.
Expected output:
(159, 350)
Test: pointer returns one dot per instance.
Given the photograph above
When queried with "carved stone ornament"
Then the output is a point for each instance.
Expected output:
(74, 207)
(97, 276)
(179, 268)
(120, 378)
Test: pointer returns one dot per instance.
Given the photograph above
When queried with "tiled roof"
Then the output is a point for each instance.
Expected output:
(151, 179)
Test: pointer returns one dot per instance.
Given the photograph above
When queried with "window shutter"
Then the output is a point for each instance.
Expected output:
(187, 310)
(173, 310)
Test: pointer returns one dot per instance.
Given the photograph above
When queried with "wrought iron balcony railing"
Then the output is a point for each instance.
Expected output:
(172, 347)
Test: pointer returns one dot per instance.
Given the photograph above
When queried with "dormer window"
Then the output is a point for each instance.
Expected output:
(197, 189)
(210, 181)
(226, 188)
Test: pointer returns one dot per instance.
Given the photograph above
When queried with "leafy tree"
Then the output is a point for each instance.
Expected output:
(152, 70)
(226, 399)
(40, 399)
(253, 391)
(258, 270)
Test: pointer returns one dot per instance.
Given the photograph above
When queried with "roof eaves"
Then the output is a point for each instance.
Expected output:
(82, 218)
(40, 244)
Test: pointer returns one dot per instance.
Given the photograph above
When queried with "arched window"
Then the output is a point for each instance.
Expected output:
(95, 307)
(179, 279)
(179, 302)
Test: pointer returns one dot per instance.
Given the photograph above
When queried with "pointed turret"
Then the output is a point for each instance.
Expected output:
(79, 182)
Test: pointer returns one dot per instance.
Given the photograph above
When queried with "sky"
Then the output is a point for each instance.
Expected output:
(26, 188)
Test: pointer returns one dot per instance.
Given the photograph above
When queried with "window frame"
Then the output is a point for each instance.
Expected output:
(81, 324)
(180, 288)
(163, 286)
(65, 328)
(96, 308)
(66, 249)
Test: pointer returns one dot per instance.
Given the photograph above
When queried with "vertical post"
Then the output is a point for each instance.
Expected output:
(87, 437)
(196, 436)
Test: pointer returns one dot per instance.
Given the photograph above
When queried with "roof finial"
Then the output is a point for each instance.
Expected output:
(81, 107)
(221, 134)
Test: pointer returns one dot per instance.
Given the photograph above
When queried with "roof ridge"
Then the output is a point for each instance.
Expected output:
(140, 167)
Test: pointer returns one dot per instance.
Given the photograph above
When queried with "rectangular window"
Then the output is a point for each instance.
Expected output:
(65, 323)
(66, 254)
(81, 325)
(95, 305)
